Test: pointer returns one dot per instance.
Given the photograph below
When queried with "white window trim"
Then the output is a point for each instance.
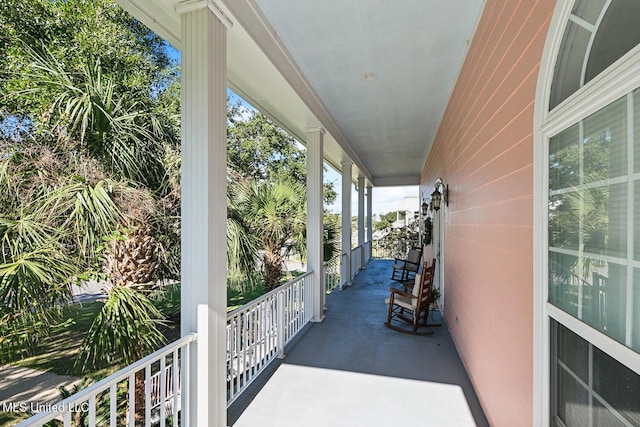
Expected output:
(616, 81)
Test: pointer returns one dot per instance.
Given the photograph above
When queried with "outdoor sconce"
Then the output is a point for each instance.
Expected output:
(440, 195)
(425, 208)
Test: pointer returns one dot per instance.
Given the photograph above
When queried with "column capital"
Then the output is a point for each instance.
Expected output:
(317, 129)
(188, 6)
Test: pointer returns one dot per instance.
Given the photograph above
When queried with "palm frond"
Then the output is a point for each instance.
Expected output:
(136, 333)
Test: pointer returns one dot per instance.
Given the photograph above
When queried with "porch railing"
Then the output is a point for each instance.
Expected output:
(331, 273)
(258, 332)
(390, 248)
(136, 392)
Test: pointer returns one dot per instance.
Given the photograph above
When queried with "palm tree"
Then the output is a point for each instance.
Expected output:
(86, 110)
(66, 207)
(275, 213)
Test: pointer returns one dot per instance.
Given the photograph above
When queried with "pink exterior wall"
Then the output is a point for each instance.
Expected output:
(484, 151)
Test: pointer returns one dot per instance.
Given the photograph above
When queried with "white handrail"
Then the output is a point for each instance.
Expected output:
(258, 331)
(91, 397)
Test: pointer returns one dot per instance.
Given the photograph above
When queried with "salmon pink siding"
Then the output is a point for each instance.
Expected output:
(484, 152)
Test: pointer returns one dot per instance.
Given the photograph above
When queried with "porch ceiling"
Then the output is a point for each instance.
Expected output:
(305, 65)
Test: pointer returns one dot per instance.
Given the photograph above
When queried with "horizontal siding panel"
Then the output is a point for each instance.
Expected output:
(497, 117)
(499, 189)
(507, 237)
(509, 212)
(484, 151)
(487, 63)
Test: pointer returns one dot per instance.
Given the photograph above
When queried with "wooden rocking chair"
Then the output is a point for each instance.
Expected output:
(409, 306)
(405, 269)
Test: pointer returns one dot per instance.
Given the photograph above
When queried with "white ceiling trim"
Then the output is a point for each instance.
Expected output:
(254, 22)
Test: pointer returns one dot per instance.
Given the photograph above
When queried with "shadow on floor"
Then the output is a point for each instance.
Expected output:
(350, 370)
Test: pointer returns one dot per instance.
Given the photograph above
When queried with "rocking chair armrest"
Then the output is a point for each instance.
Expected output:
(402, 293)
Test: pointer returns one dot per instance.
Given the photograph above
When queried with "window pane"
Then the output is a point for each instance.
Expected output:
(564, 220)
(564, 159)
(573, 351)
(594, 302)
(588, 220)
(615, 389)
(617, 34)
(617, 384)
(563, 282)
(611, 291)
(573, 401)
(614, 211)
(589, 10)
(566, 76)
(605, 143)
(602, 416)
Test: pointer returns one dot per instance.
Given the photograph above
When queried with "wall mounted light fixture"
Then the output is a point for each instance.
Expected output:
(440, 195)
(425, 208)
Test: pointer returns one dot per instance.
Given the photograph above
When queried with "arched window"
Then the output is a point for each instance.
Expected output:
(590, 295)
(597, 34)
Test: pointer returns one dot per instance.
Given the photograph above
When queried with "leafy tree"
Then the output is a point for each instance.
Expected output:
(385, 221)
(331, 229)
(257, 148)
(88, 144)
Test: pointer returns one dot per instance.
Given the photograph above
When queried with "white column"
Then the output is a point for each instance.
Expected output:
(361, 219)
(369, 219)
(315, 233)
(346, 221)
(204, 142)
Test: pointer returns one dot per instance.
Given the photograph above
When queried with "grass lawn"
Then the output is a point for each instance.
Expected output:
(56, 353)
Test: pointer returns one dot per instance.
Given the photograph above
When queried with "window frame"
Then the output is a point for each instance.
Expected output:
(616, 81)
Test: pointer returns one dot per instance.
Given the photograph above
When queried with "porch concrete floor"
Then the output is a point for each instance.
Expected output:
(350, 370)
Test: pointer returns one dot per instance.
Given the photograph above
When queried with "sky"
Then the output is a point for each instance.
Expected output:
(384, 200)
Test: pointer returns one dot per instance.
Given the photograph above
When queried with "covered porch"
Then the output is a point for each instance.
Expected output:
(474, 133)
(350, 370)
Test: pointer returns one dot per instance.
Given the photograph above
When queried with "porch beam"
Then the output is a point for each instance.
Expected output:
(346, 222)
(315, 234)
(203, 265)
